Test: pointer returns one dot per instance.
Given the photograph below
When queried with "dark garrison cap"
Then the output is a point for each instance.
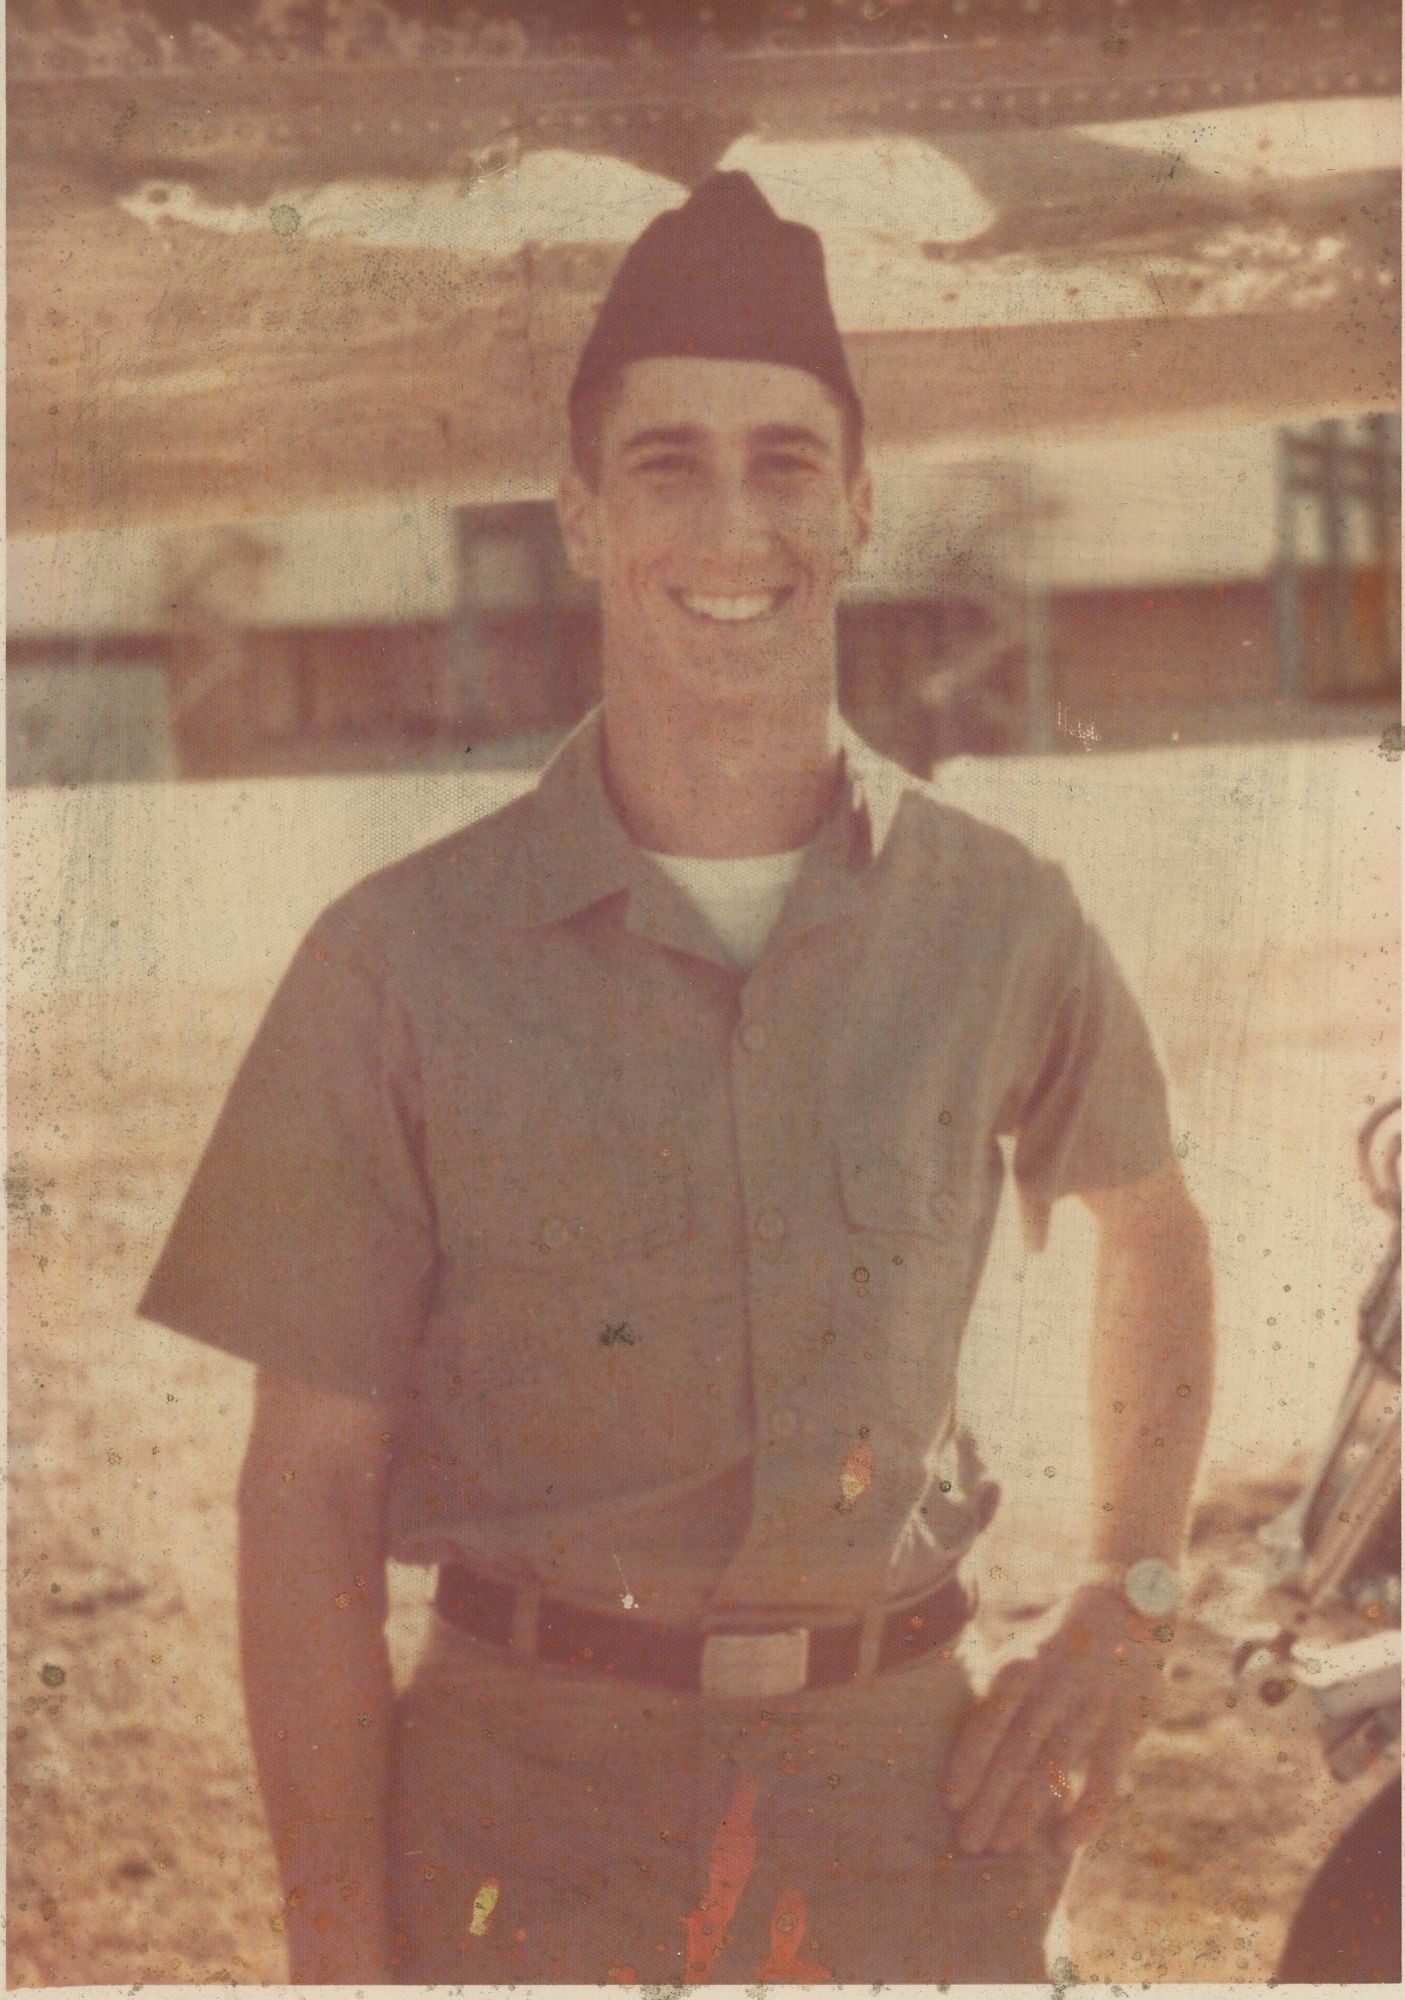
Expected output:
(724, 279)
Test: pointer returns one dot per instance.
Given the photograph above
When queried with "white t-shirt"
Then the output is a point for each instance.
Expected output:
(740, 898)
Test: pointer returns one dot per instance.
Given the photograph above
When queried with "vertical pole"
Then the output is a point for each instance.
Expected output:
(463, 704)
(1038, 670)
(1286, 607)
(96, 749)
(1039, 720)
(1375, 452)
(1382, 457)
(1340, 669)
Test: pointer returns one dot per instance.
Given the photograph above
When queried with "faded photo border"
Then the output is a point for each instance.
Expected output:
(296, 292)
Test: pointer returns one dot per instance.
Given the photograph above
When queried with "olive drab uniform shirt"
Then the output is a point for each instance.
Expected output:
(645, 1263)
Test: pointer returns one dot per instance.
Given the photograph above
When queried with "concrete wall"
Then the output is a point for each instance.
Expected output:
(1249, 891)
(213, 883)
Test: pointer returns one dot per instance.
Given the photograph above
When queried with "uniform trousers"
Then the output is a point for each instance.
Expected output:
(550, 1825)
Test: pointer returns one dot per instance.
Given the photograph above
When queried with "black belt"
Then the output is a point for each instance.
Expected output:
(740, 1662)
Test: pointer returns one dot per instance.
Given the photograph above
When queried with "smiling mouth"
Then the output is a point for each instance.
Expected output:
(733, 610)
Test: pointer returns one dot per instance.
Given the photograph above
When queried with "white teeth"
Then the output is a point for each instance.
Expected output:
(731, 610)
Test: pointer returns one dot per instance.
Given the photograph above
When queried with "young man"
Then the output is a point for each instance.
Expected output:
(603, 1201)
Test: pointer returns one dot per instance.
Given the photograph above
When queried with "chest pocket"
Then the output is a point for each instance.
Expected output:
(550, 1217)
(902, 1194)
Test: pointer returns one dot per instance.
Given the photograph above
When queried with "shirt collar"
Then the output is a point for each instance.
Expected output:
(576, 852)
(876, 784)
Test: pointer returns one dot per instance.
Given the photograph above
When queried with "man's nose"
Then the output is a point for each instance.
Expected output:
(738, 523)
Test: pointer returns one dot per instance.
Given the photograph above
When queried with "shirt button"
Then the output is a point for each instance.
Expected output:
(784, 1423)
(770, 1225)
(555, 1234)
(753, 1038)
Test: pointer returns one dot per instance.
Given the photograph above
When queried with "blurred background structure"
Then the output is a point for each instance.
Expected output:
(296, 288)
(1188, 586)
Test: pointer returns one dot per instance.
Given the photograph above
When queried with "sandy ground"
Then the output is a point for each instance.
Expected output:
(137, 1851)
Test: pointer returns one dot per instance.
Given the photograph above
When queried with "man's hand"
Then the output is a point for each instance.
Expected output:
(1074, 1712)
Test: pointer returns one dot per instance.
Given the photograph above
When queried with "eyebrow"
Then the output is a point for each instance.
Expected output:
(792, 434)
(675, 434)
(766, 435)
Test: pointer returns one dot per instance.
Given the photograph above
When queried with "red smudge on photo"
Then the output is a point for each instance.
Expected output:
(729, 1866)
(788, 1922)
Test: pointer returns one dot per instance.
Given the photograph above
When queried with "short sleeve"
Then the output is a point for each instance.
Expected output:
(306, 1242)
(1094, 1114)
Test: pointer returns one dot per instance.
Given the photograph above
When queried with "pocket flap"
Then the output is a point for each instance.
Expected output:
(882, 1190)
(550, 1220)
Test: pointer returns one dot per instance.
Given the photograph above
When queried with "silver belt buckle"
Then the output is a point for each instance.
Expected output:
(746, 1664)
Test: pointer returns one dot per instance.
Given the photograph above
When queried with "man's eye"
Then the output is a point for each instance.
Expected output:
(785, 463)
(668, 462)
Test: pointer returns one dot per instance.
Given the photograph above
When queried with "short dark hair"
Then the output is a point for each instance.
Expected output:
(592, 403)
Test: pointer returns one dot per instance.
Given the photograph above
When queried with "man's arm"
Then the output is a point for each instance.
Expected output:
(317, 1683)
(1082, 1703)
(1152, 1364)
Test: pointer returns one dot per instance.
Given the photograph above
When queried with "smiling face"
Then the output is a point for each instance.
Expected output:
(720, 529)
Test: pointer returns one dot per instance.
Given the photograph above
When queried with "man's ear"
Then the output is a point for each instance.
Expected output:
(860, 504)
(578, 511)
